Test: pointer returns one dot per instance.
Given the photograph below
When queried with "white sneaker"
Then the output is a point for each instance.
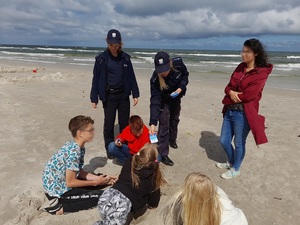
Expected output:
(231, 173)
(223, 165)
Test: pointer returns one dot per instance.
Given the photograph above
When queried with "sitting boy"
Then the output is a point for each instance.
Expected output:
(130, 141)
(66, 184)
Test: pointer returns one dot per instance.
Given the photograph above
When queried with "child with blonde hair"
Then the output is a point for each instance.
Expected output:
(200, 202)
(138, 186)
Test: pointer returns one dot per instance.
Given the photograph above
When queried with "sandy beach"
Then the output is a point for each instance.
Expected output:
(36, 108)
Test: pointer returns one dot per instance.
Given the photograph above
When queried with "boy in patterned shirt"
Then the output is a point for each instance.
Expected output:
(66, 184)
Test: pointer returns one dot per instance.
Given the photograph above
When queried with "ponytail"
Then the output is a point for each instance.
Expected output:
(162, 82)
(146, 158)
(134, 173)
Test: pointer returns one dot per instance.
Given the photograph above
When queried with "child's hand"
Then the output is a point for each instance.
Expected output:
(102, 180)
(113, 180)
(152, 130)
(118, 142)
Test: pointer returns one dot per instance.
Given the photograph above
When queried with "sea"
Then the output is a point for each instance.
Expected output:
(285, 75)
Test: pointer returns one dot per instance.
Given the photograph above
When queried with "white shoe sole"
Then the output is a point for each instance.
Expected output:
(228, 178)
(218, 165)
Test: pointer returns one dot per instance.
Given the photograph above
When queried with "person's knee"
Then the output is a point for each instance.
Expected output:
(239, 144)
(176, 118)
(111, 147)
(164, 131)
(225, 141)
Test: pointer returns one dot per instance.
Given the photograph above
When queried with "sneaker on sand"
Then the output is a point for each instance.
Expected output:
(53, 207)
(117, 162)
(231, 173)
(223, 165)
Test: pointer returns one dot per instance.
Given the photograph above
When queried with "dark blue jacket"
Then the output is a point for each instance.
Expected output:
(177, 78)
(99, 83)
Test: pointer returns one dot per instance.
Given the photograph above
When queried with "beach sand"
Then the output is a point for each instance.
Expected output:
(36, 109)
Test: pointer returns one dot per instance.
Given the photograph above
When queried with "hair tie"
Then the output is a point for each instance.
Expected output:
(156, 160)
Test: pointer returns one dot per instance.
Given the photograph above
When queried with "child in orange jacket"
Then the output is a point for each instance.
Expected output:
(130, 141)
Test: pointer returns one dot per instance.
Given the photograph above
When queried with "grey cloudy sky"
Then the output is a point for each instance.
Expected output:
(202, 24)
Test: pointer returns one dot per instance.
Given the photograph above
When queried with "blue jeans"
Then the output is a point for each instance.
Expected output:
(235, 126)
(120, 153)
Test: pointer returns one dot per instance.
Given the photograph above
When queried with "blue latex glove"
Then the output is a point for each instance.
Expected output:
(174, 94)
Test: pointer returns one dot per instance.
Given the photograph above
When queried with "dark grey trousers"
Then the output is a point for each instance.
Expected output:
(168, 125)
(115, 103)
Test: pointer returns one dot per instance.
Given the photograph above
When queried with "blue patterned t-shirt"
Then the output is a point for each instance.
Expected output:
(69, 157)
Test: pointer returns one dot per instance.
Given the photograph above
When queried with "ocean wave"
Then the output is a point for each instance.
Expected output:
(80, 64)
(55, 49)
(293, 57)
(284, 69)
(7, 47)
(192, 64)
(84, 59)
(288, 66)
(34, 54)
(280, 75)
(137, 61)
(147, 59)
(83, 50)
(211, 55)
(219, 62)
(145, 53)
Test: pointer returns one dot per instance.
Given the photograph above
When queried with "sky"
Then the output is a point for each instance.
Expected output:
(175, 24)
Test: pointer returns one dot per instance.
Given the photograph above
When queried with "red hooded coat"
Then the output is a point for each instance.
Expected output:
(251, 85)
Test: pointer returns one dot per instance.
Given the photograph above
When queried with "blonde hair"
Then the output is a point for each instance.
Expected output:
(196, 204)
(162, 82)
(146, 158)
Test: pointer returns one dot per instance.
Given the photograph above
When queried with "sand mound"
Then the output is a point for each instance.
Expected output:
(27, 206)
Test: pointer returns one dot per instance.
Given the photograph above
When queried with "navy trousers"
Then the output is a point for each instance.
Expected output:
(115, 103)
(168, 125)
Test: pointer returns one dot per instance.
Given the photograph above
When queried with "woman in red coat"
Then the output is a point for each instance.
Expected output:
(241, 105)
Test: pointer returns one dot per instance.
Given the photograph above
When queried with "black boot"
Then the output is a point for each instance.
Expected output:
(173, 144)
(109, 156)
(167, 161)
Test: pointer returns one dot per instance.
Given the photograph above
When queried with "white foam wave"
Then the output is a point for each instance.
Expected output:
(221, 62)
(147, 59)
(82, 50)
(84, 59)
(211, 55)
(55, 49)
(145, 53)
(293, 57)
(34, 54)
(7, 47)
(137, 61)
(288, 66)
(80, 64)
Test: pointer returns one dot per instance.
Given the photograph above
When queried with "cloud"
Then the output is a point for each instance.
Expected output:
(87, 21)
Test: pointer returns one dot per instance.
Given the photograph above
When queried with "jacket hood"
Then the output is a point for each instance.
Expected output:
(147, 172)
(268, 69)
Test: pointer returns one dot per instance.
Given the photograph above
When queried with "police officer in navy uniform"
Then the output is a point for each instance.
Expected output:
(168, 86)
(113, 82)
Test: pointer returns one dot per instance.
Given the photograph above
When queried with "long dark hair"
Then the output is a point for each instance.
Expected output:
(261, 58)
